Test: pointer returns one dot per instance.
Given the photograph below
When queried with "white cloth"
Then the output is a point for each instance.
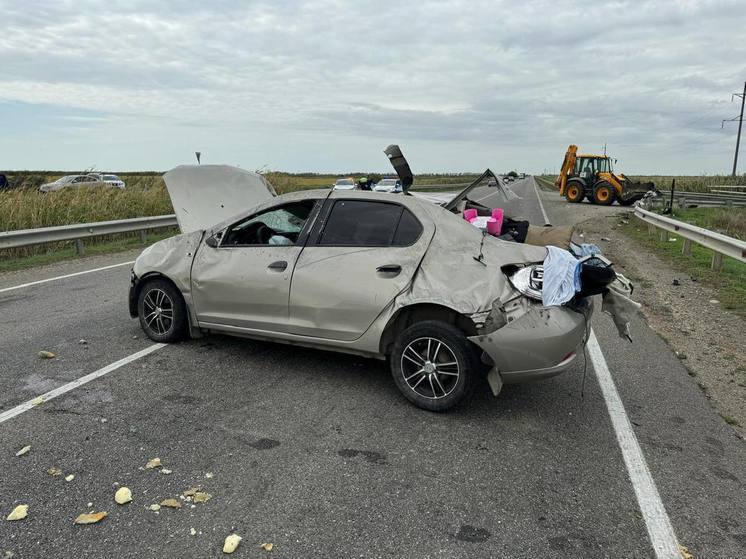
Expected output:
(559, 277)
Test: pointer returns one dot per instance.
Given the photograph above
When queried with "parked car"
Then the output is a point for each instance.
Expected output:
(388, 185)
(111, 180)
(344, 184)
(71, 181)
(273, 271)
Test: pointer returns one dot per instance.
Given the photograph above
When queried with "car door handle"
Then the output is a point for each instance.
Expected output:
(393, 269)
(278, 266)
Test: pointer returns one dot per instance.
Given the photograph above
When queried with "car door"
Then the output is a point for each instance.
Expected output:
(364, 254)
(243, 282)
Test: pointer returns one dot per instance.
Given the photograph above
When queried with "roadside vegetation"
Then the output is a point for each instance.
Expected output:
(730, 281)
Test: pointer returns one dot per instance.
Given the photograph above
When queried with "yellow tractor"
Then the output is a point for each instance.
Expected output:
(592, 177)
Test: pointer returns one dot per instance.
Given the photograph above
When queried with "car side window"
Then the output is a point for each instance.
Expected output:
(277, 226)
(367, 223)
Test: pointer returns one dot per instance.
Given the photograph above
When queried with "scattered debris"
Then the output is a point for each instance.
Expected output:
(46, 355)
(675, 282)
(37, 401)
(209, 475)
(680, 355)
(685, 554)
(171, 503)
(19, 513)
(606, 239)
(134, 337)
(714, 301)
(164, 471)
(192, 531)
(70, 477)
(24, 450)
(54, 472)
(231, 543)
(190, 492)
(91, 517)
(267, 546)
(153, 463)
(154, 507)
(123, 495)
(201, 497)
(89, 505)
(83, 342)
(672, 240)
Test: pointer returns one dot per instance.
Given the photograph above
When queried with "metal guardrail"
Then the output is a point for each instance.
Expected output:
(719, 244)
(80, 231)
(684, 198)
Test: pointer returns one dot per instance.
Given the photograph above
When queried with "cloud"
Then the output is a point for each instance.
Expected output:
(503, 83)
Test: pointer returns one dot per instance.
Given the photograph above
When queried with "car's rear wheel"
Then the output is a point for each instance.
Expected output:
(162, 311)
(434, 365)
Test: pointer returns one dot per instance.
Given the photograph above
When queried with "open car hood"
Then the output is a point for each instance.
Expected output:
(203, 195)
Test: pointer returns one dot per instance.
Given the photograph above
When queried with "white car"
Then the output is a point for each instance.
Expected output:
(71, 181)
(388, 185)
(111, 180)
(344, 184)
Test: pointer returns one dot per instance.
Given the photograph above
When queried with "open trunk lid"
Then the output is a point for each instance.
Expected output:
(203, 195)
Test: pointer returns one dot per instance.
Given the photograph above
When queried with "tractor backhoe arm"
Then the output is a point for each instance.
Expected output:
(568, 164)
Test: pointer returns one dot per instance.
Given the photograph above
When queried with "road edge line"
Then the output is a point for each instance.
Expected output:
(60, 390)
(29, 284)
(541, 204)
(658, 524)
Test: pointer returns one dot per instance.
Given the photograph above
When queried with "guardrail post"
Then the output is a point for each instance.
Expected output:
(651, 230)
(79, 247)
(143, 236)
(687, 248)
(717, 261)
(664, 235)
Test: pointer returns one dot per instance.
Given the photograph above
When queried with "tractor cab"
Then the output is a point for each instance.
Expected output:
(589, 166)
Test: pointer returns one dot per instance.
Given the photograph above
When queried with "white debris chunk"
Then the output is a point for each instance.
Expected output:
(153, 463)
(231, 543)
(18, 513)
(192, 531)
(70, 477)
(123, 495)
(164, 471)
(23, 451)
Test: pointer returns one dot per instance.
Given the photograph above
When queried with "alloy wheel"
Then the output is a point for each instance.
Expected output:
(430, 368)
(159, 311)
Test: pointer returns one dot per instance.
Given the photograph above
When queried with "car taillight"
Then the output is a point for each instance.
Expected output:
(528, 280)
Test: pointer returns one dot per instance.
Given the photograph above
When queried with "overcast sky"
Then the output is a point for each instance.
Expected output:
(325, 85)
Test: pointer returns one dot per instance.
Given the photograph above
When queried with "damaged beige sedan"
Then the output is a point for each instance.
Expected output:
(389, 276)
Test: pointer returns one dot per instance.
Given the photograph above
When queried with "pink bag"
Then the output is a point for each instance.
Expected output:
(470, 215)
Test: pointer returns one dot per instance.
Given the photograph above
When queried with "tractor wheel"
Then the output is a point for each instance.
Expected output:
(574, 192)
(603, 194)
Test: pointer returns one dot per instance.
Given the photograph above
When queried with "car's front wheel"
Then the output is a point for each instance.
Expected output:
(434, 365)
(162, 311)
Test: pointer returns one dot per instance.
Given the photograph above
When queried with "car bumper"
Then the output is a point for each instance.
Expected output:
(542, 343)
(132, 298)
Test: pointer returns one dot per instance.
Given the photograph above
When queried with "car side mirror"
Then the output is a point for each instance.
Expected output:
(214, 240)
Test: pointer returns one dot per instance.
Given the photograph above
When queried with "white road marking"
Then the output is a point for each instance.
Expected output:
(541, 205)
(19, 409)
(3, 290)
(660, 531)
(659, 527)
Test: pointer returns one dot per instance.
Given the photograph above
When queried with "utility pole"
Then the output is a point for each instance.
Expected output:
(740, 125)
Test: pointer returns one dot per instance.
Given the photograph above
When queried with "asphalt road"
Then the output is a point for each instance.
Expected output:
(318, 454)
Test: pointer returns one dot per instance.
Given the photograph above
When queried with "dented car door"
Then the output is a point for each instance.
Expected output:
(243, 281)
(362, 255)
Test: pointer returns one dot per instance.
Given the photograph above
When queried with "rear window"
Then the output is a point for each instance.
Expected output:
(362, 223)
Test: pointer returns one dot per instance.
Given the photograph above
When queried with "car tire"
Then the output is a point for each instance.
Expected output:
(433, 365)
(162, 311)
